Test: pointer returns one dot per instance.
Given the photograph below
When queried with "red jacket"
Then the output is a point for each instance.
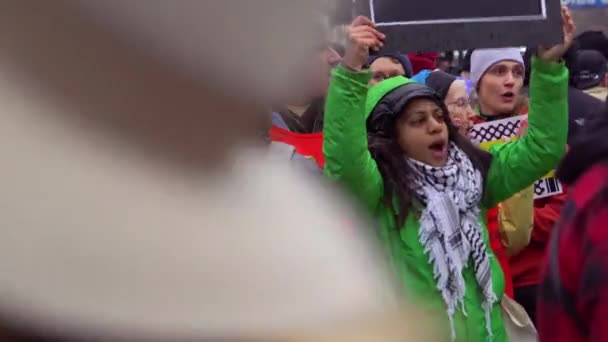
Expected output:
(573, 300)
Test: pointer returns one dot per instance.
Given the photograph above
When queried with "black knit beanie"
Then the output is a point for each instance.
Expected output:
(440, 82)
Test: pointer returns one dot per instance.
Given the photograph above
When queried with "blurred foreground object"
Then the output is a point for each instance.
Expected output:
(244, 46)
(131, 209)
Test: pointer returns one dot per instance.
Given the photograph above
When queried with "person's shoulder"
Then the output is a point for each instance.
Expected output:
(582, 105)
(589, 194)
(599, 93)
(582, 96)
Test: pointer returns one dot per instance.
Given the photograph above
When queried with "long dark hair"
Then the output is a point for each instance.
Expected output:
(389, 157)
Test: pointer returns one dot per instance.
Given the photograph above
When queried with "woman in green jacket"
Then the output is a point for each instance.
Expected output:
(396, 150)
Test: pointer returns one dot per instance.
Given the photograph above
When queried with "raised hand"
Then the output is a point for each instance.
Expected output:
(362, 36)
(555, 53)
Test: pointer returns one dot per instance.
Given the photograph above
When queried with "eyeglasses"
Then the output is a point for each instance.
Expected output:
(461, 102)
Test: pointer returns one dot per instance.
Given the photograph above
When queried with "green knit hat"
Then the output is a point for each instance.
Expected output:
(378, 91)
(387, 100)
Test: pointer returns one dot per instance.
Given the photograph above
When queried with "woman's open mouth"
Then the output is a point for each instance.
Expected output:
(439, 150)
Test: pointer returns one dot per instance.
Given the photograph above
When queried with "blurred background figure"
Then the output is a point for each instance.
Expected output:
(453, 92)
(443, 62)
(298, 112)
(389, 65)
(593, 40)
(465, 70)
(302, 111)
(590, 73)
(582, 107)
(136, 203)
(423, 61)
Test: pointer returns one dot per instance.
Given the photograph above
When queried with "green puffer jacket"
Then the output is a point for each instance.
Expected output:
(515, 166)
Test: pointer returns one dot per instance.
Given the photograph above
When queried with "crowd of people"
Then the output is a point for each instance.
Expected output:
(166, 182)
(460, 226)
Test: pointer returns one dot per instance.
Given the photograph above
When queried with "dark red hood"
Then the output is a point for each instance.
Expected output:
(423, 61)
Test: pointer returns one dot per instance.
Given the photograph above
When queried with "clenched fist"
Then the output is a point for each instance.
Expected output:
(362, 36)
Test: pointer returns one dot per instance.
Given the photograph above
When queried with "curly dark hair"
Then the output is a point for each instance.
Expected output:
(394, 169)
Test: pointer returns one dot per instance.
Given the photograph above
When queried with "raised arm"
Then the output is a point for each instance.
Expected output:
(518, 164)
(347, 158)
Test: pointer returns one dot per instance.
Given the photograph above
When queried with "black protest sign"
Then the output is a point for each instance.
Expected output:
(439, 25)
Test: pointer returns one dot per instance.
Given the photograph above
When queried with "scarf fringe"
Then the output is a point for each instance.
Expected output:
(452, 327)
(487, 307)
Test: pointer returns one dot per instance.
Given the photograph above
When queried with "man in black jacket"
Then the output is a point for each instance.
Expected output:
(581, 106)
(592, 73)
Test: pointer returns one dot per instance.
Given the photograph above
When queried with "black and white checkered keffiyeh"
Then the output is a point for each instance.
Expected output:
(449, 229)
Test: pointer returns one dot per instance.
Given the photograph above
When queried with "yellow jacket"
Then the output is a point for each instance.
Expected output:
(516, 220)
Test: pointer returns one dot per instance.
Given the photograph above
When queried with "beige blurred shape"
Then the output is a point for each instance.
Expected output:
(101, 240)
(96, 240)
(245, 46)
